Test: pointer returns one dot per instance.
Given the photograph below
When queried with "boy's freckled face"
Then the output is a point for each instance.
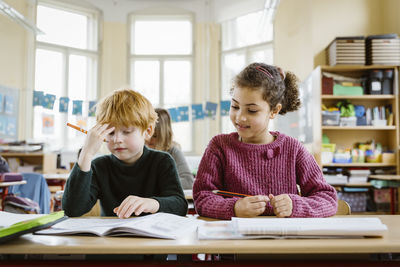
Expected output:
(126, 143)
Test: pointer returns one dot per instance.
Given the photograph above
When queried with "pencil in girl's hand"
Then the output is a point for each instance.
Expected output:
(79, 129)
(229, 194)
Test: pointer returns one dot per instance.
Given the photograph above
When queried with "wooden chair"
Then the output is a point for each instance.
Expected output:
(343, 208)
(95, 211)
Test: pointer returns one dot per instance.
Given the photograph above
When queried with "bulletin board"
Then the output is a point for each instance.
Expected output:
(9, 101)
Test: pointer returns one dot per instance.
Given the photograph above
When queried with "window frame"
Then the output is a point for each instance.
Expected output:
(161, 58)
(92, 52)
(246, 51)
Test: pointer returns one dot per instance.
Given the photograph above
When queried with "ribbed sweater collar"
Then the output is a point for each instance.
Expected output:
(129, 166)
(272, 149)
(234, 137)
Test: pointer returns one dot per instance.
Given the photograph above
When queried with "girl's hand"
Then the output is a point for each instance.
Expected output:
(282, 204)
(136, 205)
(94, 140)
(250, 206)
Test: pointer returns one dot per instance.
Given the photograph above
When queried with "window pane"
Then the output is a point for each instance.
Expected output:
(177, 82)
(77, 80)
(167, 37)
(62, 27)
(247, 30)
(183, 135)
(49, 71)
(264, 55)
(232, 64)
(227, 126)
(146, 79)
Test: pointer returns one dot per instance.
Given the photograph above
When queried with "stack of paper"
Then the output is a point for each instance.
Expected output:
(359, 176)
(252, 228)
(347, 50)
(335, 179)
(383, 49)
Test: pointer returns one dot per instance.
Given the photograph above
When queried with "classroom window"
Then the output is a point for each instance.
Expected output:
(161, 65)
(66, 66)
(245, 39)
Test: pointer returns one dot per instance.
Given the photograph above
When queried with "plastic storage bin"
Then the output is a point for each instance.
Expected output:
(348, 121)
(330, 118)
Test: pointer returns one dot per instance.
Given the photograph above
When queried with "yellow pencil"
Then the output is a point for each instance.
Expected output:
(79, 129)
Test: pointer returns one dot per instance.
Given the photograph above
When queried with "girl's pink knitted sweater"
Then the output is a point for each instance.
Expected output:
(275, 168)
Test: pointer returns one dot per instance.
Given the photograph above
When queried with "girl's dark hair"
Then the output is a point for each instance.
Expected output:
(276, 85)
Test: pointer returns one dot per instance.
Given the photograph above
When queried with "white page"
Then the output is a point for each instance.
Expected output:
(8, 218)
(310, 226)
(222, 230)
(162, 225)
(83, 225)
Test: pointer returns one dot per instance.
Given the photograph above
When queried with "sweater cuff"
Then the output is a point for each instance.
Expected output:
(296, 200)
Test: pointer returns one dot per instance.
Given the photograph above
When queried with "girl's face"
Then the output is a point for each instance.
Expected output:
(250, 115)
(127, 143)
(152, 141)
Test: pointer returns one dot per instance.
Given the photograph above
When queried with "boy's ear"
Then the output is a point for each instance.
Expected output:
(275, 111)
(149, 132)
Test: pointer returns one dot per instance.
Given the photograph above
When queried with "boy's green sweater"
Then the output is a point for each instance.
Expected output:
(153, 175)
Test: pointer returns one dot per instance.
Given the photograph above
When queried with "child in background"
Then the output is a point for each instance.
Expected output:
(253, 161)
(162, 140)
(133, 179)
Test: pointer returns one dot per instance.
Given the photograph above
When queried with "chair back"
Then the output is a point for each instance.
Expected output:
(343, 208)
(35, 189)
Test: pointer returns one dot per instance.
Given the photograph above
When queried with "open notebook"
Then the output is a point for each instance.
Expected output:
(252, 228)
(159, 225)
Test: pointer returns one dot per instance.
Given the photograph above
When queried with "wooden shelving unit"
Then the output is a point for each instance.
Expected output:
(346, 137)
(46, 162)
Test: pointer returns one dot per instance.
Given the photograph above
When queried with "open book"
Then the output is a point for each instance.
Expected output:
(13, 225)
(159, 225)
(251, 228)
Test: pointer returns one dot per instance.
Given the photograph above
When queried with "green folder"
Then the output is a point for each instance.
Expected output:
(30, 226)
(347, 90)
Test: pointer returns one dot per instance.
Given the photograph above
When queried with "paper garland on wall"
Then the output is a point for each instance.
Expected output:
(178, 114)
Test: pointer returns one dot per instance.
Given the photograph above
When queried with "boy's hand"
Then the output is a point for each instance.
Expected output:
(282, 204)
(94, 140)
(250, 206)
(136, 205)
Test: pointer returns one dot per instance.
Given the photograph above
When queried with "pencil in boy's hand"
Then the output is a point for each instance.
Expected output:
(79, 129)
(229, 194)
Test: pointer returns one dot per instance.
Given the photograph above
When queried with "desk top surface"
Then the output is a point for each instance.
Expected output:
(189, 244)
(5, 184)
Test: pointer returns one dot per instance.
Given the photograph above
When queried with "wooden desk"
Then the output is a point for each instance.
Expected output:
(189, 244)
(5, 186)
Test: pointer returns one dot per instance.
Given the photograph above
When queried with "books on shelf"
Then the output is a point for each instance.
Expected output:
(335, 179)
(256, 228)
(159, 225)
(358, 176)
